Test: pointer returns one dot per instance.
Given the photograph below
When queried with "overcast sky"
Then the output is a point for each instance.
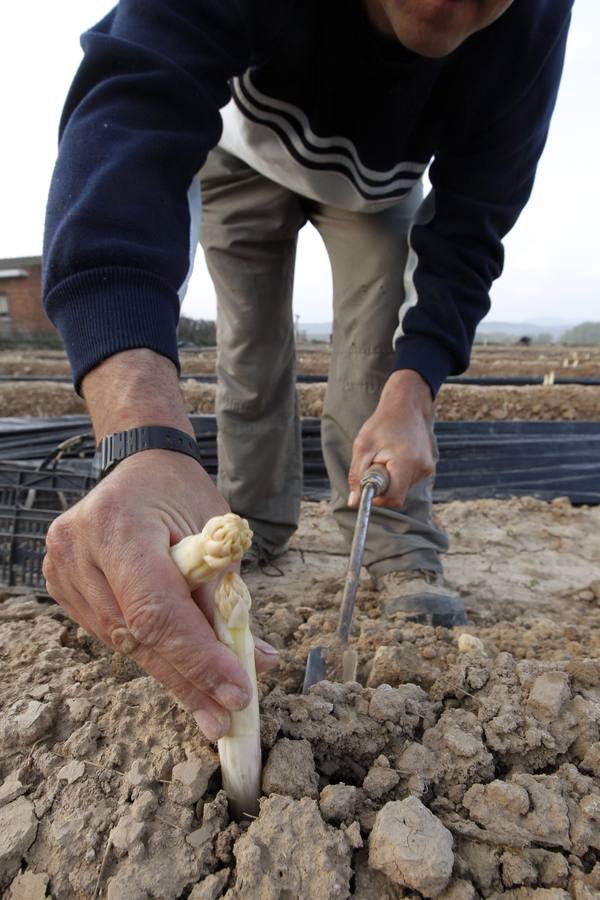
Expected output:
(552, 255)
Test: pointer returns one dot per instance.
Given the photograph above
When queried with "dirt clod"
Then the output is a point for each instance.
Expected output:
(380, 779)
(126, 835)
(190, 778)
(211, 887)
(26, 721)
(338, 802)
(459, 889)
(144, 806)
(412, 847)
(549, 693)
(140, 773)
(290, 770)
(529, 807)
(274, 858)
(18, 828)
(28, 886)
(11, 789)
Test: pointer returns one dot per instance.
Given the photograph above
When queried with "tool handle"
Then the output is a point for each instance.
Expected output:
(375, 481)
(378, 476)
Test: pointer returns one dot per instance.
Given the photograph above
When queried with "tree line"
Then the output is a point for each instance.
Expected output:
(203, 333)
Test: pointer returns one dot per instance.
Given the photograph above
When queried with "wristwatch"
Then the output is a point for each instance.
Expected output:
(118, 446)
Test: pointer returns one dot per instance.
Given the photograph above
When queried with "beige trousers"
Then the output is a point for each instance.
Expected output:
(249, 232)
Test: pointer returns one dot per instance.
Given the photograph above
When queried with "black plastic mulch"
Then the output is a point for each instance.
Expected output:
(46, 465)
(477, 459)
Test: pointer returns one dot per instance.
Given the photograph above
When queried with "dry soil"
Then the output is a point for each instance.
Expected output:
(442, 774)
(536, 360)
(465, 764)
(455, 402)
(563, 402)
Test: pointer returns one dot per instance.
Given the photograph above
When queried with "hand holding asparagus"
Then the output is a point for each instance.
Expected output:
(108, 562)
(200, 557)
(109, 566)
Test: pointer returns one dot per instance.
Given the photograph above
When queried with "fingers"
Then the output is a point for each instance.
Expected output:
(74, 605)
(399, 484)
(100, 615)
(399, 435)
(407, 464)
(96, 609)
(108, 565)
(212, 719)
(266, 656)
(397, 490)
(71, 600)
(161, 615)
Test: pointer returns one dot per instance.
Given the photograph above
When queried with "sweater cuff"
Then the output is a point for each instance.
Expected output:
(105, 311)
(427, 357)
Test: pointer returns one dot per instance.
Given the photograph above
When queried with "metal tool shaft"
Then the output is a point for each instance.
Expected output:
(374, 482)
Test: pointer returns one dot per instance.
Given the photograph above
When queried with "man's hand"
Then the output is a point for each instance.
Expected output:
(398, 435)
(108, 561)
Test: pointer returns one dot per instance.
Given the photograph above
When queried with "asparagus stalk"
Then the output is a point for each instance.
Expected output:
(239, 750)
(223, 540)
(200, 558)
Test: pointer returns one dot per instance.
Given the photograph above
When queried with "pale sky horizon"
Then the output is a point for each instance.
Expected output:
(552, 262)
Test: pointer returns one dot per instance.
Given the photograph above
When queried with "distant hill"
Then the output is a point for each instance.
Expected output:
(545, 325)
(555, 327)
(316, 331)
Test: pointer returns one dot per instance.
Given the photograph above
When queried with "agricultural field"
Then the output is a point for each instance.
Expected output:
(458, 767)
(455, 402)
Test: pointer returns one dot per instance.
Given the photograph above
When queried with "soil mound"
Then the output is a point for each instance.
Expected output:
(455, 402)
(443, 774)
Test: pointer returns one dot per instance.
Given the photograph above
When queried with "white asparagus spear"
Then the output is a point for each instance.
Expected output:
(200, 558)
(223, 540)
(239, 750)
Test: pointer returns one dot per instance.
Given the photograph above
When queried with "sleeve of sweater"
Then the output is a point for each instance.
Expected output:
(140, 118)
(482, 178)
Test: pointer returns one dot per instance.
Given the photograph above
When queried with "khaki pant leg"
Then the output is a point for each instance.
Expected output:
(248, 234)
(368, 254)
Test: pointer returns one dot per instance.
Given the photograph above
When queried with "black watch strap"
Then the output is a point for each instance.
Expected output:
(116, 447)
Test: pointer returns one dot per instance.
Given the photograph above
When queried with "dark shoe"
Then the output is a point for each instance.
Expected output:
(423, 596)
(257, 557)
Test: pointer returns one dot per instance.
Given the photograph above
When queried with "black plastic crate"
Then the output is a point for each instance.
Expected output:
(22, 547)
(30, 499)
(31, 487)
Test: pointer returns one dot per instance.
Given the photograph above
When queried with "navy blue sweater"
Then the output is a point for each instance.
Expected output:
(348, 117)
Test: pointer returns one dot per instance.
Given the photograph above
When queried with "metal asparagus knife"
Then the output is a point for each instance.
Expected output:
(374, 482)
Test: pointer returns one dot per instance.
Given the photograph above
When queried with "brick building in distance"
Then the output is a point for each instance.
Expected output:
(21, 312)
